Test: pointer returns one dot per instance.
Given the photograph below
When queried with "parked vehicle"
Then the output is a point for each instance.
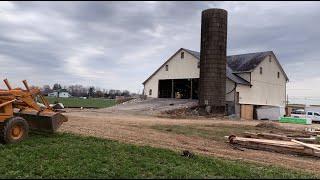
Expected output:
(314, 116)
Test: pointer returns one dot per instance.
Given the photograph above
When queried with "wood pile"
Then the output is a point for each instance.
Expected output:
(303, 138)
(276, 143)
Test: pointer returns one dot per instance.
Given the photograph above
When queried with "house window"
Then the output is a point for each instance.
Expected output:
(150, 92)
(269, 58)
(278, 75)
(198, 64)
(182, 55)
(260, 70)
(167, 67)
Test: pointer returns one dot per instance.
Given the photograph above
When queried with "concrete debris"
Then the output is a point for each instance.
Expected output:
(122, 99)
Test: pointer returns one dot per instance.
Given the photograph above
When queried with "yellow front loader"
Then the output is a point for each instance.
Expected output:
(21, 110)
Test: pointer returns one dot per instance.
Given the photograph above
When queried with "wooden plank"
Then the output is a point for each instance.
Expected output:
(6, 103)
(247, 111)
(303, 138)
(306, 145)
(311, 140)
(280, 146)
(268, 142)
(274, 136)
(279, 149)
(267, 136)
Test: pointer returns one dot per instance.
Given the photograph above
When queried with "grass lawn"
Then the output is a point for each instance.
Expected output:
(71, 156)
(78, 102)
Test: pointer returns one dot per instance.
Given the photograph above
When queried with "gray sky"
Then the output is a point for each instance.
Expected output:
(119, 44)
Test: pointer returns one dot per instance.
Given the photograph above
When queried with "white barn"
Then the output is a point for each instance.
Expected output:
(253, 80)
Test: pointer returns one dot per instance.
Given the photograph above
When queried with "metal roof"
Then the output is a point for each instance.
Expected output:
(246, 62)
(235, 78)
(242, 62)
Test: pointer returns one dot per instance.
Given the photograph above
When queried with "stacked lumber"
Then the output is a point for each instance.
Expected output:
(303, 138)
(266, 136)
(281, 146)
(313, 131)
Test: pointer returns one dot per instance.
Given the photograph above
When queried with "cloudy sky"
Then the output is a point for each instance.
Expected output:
(119, 44)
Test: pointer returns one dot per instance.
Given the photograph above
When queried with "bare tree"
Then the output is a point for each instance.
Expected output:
(77, 90)
(99, 94)
(125, 93)
(45, 90)
(56, 87)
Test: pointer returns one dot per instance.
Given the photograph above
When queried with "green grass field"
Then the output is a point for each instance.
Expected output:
(86, 103)
(71, 156)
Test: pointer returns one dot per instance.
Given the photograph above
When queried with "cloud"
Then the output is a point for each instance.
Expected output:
(119, 44)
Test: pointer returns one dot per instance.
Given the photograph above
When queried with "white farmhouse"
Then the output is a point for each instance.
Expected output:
(253, 80)
(60, 94)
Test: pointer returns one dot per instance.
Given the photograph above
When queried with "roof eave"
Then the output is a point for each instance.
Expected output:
(162, 66)
(238, 72)
(287, 79)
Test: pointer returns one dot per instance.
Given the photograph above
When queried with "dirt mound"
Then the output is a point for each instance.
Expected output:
(191, 111)
(269, 125)
(183, 112)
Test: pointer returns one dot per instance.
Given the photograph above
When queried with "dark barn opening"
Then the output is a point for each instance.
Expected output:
(182, 88)
(178, 88)
(165, 88)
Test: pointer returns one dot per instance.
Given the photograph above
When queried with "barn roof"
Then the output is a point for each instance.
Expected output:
(235, 64)
(246, 62)
(243, 62)
(235, 78)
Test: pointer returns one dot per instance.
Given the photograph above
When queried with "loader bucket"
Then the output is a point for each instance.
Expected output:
(45, 121)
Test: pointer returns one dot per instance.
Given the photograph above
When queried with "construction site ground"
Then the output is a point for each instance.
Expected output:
(138, 123)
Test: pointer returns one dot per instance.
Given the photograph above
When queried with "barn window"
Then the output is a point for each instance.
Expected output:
(167, 67)
(150, 92)
(278, 75)
(198, 64)
(260, 70)
(269, 58)
(182, 55)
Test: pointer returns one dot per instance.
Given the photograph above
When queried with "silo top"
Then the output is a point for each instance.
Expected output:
(213, 11)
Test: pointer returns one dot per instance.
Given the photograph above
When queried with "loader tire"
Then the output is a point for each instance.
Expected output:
(14, 130)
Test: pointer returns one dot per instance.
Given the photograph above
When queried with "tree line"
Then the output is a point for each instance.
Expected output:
(82, 91)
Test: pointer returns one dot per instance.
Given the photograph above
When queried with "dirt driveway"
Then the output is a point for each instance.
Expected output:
(138, 129)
